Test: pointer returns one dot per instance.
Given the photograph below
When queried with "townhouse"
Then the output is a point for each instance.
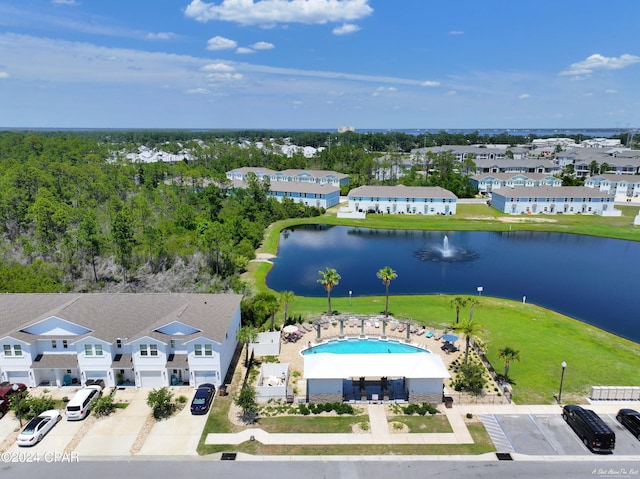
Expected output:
(321, 177)
(424, 200)
(143, 340)
(486, 183)
(554, 200)
(309, 194)
(624, 187)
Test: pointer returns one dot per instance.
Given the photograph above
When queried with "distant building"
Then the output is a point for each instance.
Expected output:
(423, 200)
(485, 183)
(309, 194)
(554, 200)
(321, 177)
(625, 188)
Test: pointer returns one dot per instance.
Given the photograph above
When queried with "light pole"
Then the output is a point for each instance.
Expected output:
(564, 365)
(350, 293)
(16, 392)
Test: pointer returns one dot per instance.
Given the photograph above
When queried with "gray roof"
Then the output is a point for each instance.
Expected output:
(314, 173)
(178, 361)
(55, 361)
(253, 169)
(292, 187)
(551, 192)
(113, 316)
(508, 176)
(402, 191)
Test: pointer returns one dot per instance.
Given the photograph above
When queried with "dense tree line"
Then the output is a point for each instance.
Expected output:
(75, 215)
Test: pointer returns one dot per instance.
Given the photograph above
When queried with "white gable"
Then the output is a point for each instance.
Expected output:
(54, 326)
(177, 328)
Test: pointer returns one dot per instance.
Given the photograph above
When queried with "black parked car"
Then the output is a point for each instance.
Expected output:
(630, 419)
(590, 428)
(202, 400)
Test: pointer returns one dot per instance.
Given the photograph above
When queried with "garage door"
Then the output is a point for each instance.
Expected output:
(202, 377)
(18, 377)
(151, 379)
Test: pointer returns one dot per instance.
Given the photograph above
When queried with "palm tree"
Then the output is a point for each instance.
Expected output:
(286, 298)
(469, 329)
(246, 335)
(458, 303)
(508, 354)
(267, 305)
(472, 303)
(329, 278)
(386, 274)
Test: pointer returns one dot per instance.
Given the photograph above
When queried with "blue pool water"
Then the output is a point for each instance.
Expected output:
(363, 346)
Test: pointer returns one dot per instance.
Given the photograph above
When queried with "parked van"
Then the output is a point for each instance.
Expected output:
(589, 427)
(81, 403)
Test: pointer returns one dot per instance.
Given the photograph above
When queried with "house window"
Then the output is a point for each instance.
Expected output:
(197, 349)
(88, 350)
(153, 349)
(54, 344)
(65, 344)
(119, 343)
(208, 350)
(17, 350)
(172, 343)
(144, 350)
(98, 349)
(7, 350)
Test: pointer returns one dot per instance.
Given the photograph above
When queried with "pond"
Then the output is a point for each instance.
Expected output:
(592, 279)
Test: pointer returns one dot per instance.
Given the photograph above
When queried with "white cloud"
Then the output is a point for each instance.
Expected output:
(4, 75)
(161, 36)
(456, 32)
(346, 29)
(221, 43)
(263, 46)
(600, 62)
(610, 90)
(218, 67)
(430, 83)
(244, 50)
(452, 92)
(197, 91)
(64, 2)
(217, 77)
(524, 95)
(260, 12)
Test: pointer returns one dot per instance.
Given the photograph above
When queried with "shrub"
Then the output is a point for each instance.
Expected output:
(304, 410)
(30, 406)
(182, 399)
(104, 406)
(469, 415)
(159, 400)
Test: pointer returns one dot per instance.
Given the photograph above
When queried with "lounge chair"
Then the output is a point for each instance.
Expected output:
(401, 328)
(394, 325)
(429, 334)
(376, 324)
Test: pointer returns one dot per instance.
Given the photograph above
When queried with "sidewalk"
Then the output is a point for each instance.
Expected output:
(380, 433)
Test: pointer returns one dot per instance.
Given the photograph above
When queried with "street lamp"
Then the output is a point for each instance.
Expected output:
(350, 293)
(564, 365)
(16, 392)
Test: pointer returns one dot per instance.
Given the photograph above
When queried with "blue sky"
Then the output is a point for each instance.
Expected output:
(319, 63)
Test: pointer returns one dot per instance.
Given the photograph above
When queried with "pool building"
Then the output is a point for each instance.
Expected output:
(417, 376)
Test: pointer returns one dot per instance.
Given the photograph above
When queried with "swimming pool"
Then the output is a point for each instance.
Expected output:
(363, 346)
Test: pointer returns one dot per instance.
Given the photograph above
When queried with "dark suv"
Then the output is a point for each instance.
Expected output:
(590, 428)
(630, 419)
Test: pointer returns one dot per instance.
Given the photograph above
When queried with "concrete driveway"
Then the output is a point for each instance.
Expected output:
(178, 435)
(116, 434)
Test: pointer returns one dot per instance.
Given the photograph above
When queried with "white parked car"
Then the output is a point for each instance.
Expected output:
(36, 429)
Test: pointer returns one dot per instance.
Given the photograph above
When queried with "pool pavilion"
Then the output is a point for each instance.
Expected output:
(392, 377)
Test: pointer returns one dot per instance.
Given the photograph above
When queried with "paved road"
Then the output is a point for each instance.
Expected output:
(372, 468)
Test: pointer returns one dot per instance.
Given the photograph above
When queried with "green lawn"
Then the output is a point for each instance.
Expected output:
(544, 338)
(217, 422)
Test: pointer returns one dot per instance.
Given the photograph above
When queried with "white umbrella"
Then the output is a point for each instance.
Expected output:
(291, 328)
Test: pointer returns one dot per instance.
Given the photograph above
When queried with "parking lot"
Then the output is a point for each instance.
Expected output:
(550, 435)
(126, 432)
